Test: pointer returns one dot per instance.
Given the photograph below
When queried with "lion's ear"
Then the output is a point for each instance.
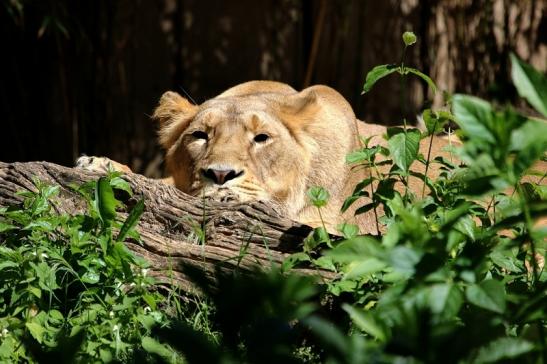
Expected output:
(299, 109)
(173, 114)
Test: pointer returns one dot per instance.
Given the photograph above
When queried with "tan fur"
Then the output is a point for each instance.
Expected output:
(310, 134)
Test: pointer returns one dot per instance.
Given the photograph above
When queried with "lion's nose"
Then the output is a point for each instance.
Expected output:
(220, 176)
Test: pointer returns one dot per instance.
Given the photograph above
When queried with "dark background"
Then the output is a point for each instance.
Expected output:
(83, 76)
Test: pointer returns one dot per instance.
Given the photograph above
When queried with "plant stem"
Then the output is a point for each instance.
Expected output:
(428, 156)
(329, 242)
(372, 196)
(529, 228)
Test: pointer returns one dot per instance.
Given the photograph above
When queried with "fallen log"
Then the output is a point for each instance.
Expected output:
(237, 235)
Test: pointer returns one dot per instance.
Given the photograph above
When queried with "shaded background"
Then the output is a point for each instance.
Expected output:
(83, 76)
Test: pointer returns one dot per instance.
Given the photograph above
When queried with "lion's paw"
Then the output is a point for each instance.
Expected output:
(101, 164)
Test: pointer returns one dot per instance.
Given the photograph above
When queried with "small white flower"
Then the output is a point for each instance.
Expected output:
(4, 333)
(115, 328)
(143, 284)
(111, 314)
(43, 255)
(144, 271)
(147, 309)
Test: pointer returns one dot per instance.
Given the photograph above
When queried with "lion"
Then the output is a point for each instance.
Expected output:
(263, 140)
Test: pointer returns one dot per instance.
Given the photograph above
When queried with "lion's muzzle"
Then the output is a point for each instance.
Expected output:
(221, 176)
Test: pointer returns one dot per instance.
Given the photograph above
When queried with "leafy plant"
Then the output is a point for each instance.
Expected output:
(454, 275)
(458, 275)
(71, 290)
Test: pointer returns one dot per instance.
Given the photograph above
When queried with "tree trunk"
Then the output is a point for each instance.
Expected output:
(237, 236)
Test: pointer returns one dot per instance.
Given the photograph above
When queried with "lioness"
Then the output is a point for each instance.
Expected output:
(263, 140)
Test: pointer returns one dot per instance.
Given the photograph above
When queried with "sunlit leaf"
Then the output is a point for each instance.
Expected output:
(424, 77)
(132, 220)
(106, 202)
(530, 84)
(318, 196)
(404, 147)
(474, 116)
(503, 348)
(376, 74)
(155, 347)
(348, 230)
(36, 330)
(530, 143)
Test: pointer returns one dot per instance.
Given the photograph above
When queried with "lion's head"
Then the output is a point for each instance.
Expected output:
(258, 141)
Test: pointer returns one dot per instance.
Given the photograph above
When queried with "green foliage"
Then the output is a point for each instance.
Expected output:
(318, 196)
(530, 84)
(403, 146)
(381, 71)
(453, 277)
(70, 291)
(259, 316)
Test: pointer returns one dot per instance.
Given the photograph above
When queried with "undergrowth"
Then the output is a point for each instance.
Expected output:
(456, 277)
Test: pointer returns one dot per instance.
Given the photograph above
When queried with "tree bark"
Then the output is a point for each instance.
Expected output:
(237, 236)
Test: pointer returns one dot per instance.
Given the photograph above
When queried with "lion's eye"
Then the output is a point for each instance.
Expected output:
(261, 138)
(198, 134)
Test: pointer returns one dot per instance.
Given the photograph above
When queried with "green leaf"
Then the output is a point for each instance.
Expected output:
(474, 116)
(409, 38)
(489, 294)
(530, 84)
(318, 196)
(292, 260)
(46, 276)
(404, 259)
(131, 220)
(119, 183)
(106, 203)
(445, 300)
(8, 264)
(377, 73)
(325, 263)
(530, 142)
(35, 291)
(404, 147)
(349, 231)
(354, 197)
(366, 322)
(36, 330)
(435, 122)
(356, 249)
(364, 267)
(503, 348)
(154, 347)
(423, 76)
(91, 276)
(6, 227)
(106, 355)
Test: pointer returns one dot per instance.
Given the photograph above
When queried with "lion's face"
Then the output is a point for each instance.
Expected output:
(260, 140)
(233, 148)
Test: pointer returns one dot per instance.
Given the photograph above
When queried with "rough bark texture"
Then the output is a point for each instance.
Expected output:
(238, 236)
